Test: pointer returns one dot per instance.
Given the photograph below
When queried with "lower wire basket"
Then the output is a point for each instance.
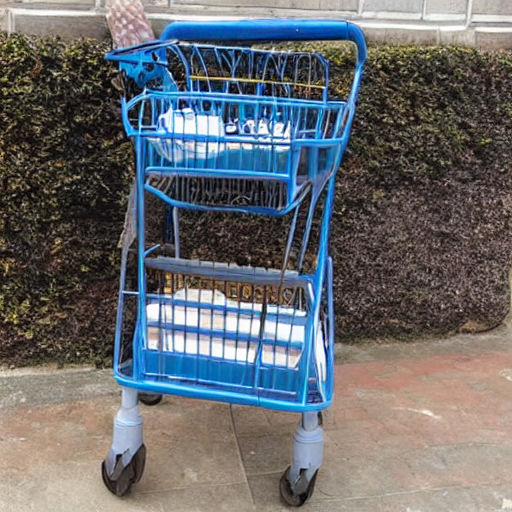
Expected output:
(239, 336)
(234, 334)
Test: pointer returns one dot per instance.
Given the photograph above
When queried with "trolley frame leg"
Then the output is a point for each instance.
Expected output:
(298, 481)
(308, 447)
(125, 461)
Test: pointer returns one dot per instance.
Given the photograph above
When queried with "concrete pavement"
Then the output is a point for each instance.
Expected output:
(418, 427)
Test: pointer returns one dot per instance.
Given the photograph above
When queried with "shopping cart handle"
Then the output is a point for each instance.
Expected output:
(268, 30)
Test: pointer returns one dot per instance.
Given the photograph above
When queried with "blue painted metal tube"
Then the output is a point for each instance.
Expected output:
(218, 395)
(330, 334)
(229, 273)
(268, 30)
(138, 370)
(320, 274)
(245, 99)
(120, 307)
(215, 173)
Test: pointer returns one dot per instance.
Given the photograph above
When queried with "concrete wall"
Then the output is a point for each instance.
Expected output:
(482, 23)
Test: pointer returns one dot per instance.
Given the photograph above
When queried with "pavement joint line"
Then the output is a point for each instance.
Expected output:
(414, 491)
(239, 451)
(262, 435)
(467, 443)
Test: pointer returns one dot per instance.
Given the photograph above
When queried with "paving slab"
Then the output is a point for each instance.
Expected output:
(419, 427)
(414, 427)
(55, 428)
(481, 498)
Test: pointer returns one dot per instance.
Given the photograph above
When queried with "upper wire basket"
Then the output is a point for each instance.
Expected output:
(230, 148)
(231, 127)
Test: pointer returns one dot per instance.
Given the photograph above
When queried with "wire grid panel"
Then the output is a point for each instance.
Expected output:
(237, 328)
(248, 71)
(172, 66)
(231, 192)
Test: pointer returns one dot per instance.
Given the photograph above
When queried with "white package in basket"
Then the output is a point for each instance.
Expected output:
(184, 124)
(275, 133)
(231, 322)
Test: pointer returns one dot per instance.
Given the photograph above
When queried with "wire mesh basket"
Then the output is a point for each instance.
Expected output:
(226, 118)
(181, 66)
(225, 147)
(240, 328)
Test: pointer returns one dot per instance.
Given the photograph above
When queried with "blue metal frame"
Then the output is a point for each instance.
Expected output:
(316, 284)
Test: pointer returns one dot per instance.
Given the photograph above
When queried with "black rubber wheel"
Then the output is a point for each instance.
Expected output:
(123, 478)
(139, 463)
(150, 398)
(122, 484)
(305, 488)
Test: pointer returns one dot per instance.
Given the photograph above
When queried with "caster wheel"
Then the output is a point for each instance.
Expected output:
(150, 398)
(303, 489)
(122, 478)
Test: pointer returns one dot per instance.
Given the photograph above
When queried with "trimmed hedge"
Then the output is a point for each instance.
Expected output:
(64, 167)
(423, 244)
(421, 229)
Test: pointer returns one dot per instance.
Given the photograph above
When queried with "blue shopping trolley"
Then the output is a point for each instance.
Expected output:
(218, 127)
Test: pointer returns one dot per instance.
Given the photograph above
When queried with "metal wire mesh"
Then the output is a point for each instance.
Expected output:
(234, 70)
(227, 319)
(248, 71)
(222, 191)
